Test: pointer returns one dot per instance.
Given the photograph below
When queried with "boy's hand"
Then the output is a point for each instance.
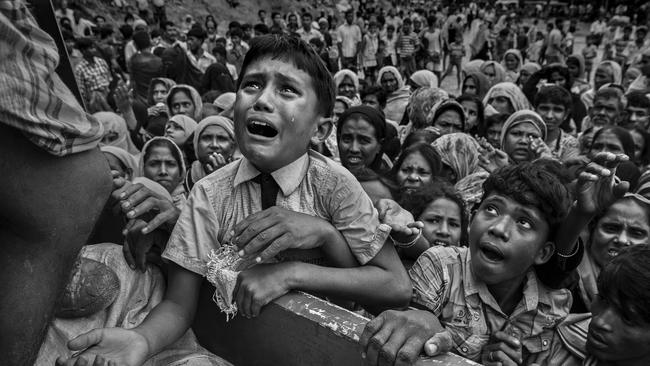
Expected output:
(266, 233)
(403, 225)
(261, 284)
(489, 157)
(398, 337)
(505, 350)
(597, 189)
(108, 346)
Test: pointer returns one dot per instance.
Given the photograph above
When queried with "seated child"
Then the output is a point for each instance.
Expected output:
(617, 332)
(486, 296)
(284, 102)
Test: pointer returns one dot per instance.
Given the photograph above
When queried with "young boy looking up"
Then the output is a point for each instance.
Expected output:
(284, 100)
(486, 296)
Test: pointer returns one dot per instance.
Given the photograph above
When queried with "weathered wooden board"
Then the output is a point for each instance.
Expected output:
(295, 330)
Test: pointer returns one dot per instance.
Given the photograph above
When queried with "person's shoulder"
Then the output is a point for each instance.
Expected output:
(327, 171)
(446, 255)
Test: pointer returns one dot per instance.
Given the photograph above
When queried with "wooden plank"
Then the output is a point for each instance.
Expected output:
(296, 329)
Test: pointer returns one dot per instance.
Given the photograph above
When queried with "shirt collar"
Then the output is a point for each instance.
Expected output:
(288, 177)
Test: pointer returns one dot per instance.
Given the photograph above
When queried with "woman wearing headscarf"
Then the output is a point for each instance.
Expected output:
(472, 67)
(576, 65)
(631, 74)
(459, 153)
(397, 93)
(494, 72)
(347, 84)
(157, 110)
(367, 124)
(528, 69)
(419, 105)
(506, 98)
(116, 133)
(447, 116)
(162, 161)
(521, 136)
(184, 99)
(512, 63)
(476, 83)
(607, 72)
(479, 46)
(423, 78)
(121, 161)
(217, 78)
(179, 128)
(214, 146)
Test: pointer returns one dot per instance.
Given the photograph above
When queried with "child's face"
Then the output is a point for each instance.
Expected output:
(442, 222)
(624, 224)
(553, 114)
(613, 338)
(175, 132)
(494, 134)
(506, 239)
(276, 113)
(574, 69)
(414, 172)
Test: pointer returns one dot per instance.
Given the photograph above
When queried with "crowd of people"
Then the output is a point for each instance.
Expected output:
(503, 216)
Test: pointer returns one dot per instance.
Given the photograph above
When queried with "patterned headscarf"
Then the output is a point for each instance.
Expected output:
(510, 91)
(421, 102)
(499, 72)
(425, 78)
(460, 152)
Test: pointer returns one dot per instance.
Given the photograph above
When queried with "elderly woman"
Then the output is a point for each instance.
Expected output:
(506, 98)
(607, 72)
(512, 62)
(347, 84)
(214, 146)
(397, 93)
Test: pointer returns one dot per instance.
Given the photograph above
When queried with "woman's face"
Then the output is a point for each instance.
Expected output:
(339, 108)
(603, 75)
(625, 223)
(181, 103)
(606, 142)
(115, 164)
(175, 132)
(159, 93)
(511, 62)
(574, 69)
(414, 172)
(358, 144)
(389, 82)
(448, 122)
(502, 105)
(442, 222)
(163, 168)
(346, 88)
(470, 87)
(558, 79)
(490, 73)
(517, 141)
(471, 111)
(629, 77)
(214, 140)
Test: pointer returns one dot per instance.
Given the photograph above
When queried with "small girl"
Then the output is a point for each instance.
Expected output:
(442, 211)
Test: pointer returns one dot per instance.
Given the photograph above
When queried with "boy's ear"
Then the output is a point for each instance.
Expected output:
(324, 127)
(545, 253)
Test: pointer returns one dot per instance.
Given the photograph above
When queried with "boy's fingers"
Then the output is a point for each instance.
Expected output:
(257, 236)
(241, 226)
(278, 245)
(159, 220)
(439, 343)
(85, 340)
(409, 352)
(370, 329)
(128, 256)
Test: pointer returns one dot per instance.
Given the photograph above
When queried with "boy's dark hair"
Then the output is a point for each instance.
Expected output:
(141, 40)
(407, 21)
(638, 99)
(261, 29)
(533, 185)
(236, 32)
(390, 27)
(556, 95)
(303, 56)
(625, 283)
(220, 50)
(417, 201)
(308, 15)
(377, 91)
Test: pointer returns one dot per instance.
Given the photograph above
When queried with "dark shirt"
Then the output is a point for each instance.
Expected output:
(144, 67)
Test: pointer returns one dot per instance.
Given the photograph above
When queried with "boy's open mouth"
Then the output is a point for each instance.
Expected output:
(262, 129)
(491, 252)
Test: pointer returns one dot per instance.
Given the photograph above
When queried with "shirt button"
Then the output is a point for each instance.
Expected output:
(545, 343)
(464, 349)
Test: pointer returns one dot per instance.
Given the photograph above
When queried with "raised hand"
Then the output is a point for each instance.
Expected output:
(491, 158)
(597, 186)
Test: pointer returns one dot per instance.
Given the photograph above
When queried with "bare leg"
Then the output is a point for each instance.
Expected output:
(49, 208)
